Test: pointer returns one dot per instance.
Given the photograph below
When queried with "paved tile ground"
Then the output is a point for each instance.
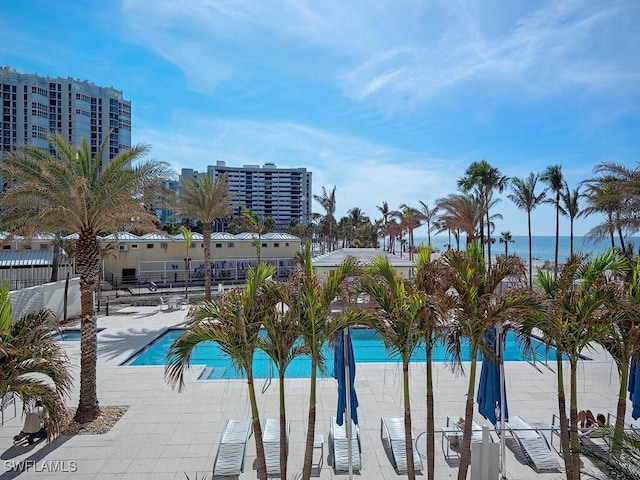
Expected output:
(166, 434)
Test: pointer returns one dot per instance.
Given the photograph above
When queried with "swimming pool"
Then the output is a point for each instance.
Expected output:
(70, 334)
(367, 346)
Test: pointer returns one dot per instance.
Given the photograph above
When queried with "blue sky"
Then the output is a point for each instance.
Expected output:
(386, 100)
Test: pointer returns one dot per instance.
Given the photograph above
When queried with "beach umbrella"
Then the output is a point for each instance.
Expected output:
(344, 371)
(489, 388)
(634, 390)
(492, 398)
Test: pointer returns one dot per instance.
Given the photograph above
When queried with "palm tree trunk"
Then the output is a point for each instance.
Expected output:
(611, 233)
(430, 418)
(411, 474)
(530, 250)
(573, 413)
(257, 429)
(283, 429)
(622, 408)
(206, 237)
(311, 428)
(564, 427)
(621, 237)
(88, 261)
(488, 241)
(571, 237)
(56, 261)
(555, 265)
(65, 306)
(465, 454)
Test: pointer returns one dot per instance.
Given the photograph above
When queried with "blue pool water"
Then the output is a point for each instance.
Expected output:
(69, 335)
(367, 346)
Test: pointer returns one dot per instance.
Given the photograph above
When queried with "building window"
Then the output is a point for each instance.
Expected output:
(286, 244)
(134, 245)
(149, 245)
(218, 245)
(6, 247)
(44, 246)
(264, 245)
(230, 244)
(276, 245)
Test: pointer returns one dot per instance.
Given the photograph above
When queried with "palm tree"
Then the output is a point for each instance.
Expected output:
(72, 191)
(394, 230)
(386, 214)
(485, 179)
(570, 208)
(310, 303)
(28, 354)
(206, 200)
(477, 305)
(460, 212)
(506, 238)
(430, 281)
(282, 346)
(552, 176)
(188, 238)
(525, 198)
(627, 182)
(328, 202)
(258, 225)
(428, 215)
(410, 219)
(602, 198)
(577, 305)
(623, 340)
(398, 309)
(233, 322)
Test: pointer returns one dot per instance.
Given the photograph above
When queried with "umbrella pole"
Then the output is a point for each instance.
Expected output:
(503, 473)
(347, 412)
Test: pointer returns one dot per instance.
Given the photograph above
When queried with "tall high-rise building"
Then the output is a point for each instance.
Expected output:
(34, 107)
(283, 194)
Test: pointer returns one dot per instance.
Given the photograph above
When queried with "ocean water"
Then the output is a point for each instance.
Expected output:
(543, 247)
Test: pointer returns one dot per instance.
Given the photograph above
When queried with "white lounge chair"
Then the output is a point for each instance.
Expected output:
(233, 447)
(476, 430)
(534, 445)
(392, 429)
(271, 442)
(339, 445)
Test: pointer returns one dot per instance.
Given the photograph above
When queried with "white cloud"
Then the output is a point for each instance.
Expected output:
(559, 46)
(364, 173)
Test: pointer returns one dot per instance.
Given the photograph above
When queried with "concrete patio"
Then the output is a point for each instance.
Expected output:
(166, 434)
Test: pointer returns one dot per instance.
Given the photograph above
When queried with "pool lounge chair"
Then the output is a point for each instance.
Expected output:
(534, 445)
(232, 448)
(271, 442)
(339, 445)
(476, 430)
(392, 429)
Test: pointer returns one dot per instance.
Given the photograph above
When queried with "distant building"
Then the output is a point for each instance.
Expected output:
(154, 257)
(283, 194)
(34, 107)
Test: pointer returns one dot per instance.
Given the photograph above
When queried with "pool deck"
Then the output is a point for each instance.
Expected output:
(166, 434)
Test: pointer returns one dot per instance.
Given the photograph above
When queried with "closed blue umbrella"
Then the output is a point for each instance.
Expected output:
(489, 394)
(634, 390)
(339, 374)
